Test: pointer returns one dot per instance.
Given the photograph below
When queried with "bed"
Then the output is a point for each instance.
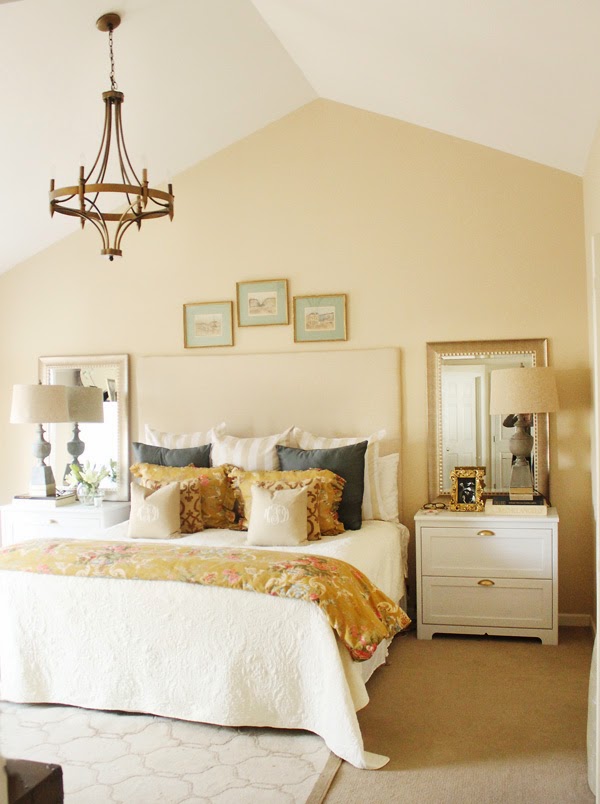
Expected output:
(210, 654)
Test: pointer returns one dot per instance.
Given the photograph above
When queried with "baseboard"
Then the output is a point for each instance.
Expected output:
(576, 620)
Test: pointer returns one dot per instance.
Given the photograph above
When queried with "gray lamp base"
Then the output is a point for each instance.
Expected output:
(42, 482)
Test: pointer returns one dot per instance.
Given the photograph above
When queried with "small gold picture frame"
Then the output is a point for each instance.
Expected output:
(467, 488)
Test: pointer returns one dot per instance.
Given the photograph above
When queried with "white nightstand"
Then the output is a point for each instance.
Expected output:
(74, 521)
(485, 574)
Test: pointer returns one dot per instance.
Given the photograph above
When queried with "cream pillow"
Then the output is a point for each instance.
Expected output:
(182, 440)
(251, 454)
(154, 514)
(277, 517)
(388, 484)
(372, 507)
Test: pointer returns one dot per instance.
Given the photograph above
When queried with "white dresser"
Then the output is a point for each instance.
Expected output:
(484, 574)
(75, 521)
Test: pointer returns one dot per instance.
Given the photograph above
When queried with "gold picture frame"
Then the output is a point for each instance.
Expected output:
(467, 488)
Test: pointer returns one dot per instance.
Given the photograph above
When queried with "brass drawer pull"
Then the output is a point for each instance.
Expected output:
(486, 533)
(485, 582)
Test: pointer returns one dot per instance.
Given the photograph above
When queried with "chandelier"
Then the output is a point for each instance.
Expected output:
(83, 199)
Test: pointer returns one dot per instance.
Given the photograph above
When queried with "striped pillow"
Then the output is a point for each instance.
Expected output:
(373, 506)
(251, 454)
(156, 438)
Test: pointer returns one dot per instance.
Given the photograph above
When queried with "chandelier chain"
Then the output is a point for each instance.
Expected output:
(113, 83)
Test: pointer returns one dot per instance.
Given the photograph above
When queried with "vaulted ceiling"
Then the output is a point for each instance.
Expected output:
(522, 76)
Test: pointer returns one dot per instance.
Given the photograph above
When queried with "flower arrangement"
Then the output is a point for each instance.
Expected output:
(87, 478)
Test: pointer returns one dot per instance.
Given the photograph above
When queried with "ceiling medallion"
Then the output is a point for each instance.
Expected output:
(83, 199)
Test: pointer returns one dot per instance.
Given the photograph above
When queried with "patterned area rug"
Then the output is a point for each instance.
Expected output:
(141, 759)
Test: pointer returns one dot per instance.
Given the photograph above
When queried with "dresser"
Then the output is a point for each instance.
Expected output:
(23, 521)
(486, 574)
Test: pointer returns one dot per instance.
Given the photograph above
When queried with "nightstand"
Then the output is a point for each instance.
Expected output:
(486, 574)
(74, 521)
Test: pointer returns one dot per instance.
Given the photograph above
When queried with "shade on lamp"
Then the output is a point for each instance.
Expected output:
(522, 391)
(85, 404)
(34, 404)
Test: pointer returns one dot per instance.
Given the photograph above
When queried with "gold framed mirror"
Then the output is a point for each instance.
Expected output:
(107, 441)
(461, 431)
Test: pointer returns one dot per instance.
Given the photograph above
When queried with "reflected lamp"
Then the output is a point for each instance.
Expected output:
(85, 404)
(34, 404)
(522, 392)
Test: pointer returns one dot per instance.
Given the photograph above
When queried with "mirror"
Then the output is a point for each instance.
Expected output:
(461, 432)
(105, 442)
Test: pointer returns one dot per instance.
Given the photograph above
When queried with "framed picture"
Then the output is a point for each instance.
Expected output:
(208, 324)
(262, 302)
(467, 488)
(320, 318)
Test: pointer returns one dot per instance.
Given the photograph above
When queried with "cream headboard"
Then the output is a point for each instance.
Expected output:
(343, 393)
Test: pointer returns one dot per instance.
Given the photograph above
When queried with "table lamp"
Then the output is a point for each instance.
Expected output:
(522, 392)
(85, 404)
(34, 404)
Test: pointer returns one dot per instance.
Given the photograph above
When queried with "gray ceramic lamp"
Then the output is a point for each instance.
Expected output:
(522, 391)
(85, 404)
(34, 404)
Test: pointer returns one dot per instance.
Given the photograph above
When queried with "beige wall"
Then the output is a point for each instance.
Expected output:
(431, 237)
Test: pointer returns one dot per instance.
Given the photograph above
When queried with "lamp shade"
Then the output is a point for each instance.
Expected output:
(523, 390)
(85, 403)
(37, 404)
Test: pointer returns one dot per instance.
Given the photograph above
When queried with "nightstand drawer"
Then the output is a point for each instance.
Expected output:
(487, 551)
(52, 524)
(500, 603)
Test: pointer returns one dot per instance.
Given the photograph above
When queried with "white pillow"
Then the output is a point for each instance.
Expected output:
(388, 485)
(154, 514)
(372, 507)
(251, 454)
(182, 440)
(278, 517)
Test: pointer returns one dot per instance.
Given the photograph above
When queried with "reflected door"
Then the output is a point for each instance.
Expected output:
(460, 442)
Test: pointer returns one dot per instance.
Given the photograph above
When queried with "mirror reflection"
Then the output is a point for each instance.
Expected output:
(461, 430)
(106, 442)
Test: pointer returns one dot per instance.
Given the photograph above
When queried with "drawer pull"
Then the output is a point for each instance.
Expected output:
(485, 582)
(53, 521)
(486, 533)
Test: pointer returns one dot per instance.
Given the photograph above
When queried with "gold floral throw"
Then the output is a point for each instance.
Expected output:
(361, 615)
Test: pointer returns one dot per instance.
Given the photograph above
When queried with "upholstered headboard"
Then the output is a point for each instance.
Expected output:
(342, 393)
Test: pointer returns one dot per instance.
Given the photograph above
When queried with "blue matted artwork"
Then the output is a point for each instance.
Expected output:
(208, 324)
(262, 302)
(320, 318)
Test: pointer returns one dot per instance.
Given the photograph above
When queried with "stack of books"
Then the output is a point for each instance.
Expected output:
(503, 504)
(64, 498)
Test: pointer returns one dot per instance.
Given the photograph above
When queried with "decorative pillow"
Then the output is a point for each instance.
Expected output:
(372, 506)
(278, 517)
(181, 440)
(251, 454)
(218, 497)
(163, 456)
(154, 514)
(388, 484)
(330, 489)
(347, 462)
(190, 503)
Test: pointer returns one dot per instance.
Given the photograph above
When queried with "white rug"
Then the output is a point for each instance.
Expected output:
(141, 759)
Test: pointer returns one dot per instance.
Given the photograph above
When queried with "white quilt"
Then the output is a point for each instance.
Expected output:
(197, 653)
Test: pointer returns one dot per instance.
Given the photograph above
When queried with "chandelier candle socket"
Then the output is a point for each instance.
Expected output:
(82, 200)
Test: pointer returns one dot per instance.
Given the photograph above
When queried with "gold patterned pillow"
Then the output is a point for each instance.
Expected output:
(218, 497)
(329, 493)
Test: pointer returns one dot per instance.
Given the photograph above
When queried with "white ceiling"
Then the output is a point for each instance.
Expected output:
(522, 76)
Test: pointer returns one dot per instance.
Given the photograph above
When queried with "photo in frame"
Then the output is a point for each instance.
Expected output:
(468, 483)
(320, 318)
(208, 324)
(262, 303)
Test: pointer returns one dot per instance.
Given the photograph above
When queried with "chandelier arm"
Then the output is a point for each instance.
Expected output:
(123, 149)
(102, 228)
(105, 131)
(98, 222)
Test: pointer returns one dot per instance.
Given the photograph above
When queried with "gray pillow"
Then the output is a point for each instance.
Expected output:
(347, 462)
(163, 456)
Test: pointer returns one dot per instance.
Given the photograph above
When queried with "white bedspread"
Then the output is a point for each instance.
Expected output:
(197, 653)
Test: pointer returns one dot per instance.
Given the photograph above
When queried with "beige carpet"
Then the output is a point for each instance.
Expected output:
(140, 759)
(476, 719)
